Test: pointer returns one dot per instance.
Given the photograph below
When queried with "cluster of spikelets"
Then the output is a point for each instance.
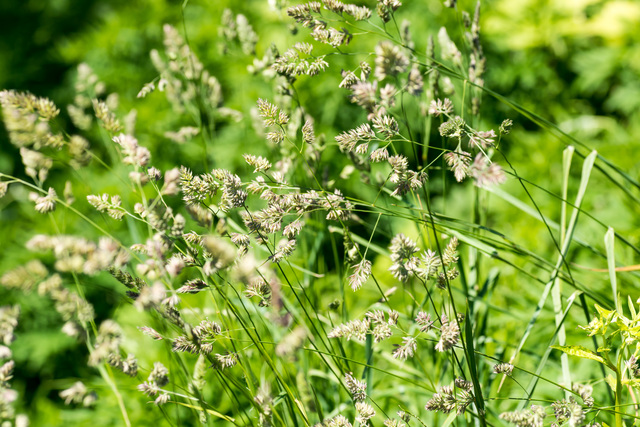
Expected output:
(377, 93)
(364, 411)
(182, 79)
(8, 323)
(374, 324)
(566, 411)
(178, 259)
(211, 253)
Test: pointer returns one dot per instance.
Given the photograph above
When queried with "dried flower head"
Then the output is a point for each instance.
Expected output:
(424, 321)
(225, 361)
(355, 387)
(133, 153)
(303, 13)
(259, 163)
(503, 368)
(449, 334)
(379, 155)
(482, 139)
(532, 417)
(271, 114)
(348, 79)
(365, 94)
(150, 332)
(36, 164)
(459, 162)
(486, 173)
(449, 398)
(4, 186)
(393, 317)
(430, 264)
(46, 204)
(405, 264)
(386, 125)
(26, 118)
(25, 276)
(385, 9)
(439, 106)
(359, 13)
(347, 140)
(292, 64)
(110, 205)
(390, 60)
(338, 421)
(8, 322)
(505, 126)
(107, 119)
(356, 329)
(406, 350)
(405, 180)
(450, 254)
(284, 250)
(361, 272)
(260, 288)
(381, 331)
(365, 413)
(585, 391)
(78, 394)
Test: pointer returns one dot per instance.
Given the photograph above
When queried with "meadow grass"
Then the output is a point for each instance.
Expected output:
(337, 249)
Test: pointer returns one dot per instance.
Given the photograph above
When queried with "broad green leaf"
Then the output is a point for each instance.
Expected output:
(579, 351)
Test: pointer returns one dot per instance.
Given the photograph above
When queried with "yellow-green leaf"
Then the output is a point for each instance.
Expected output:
(579, 351)
(603, 312)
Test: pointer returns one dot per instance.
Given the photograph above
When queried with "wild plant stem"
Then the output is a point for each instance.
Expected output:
(109, 380)
(619, 408)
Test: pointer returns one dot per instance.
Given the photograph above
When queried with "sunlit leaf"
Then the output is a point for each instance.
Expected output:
(579, 351)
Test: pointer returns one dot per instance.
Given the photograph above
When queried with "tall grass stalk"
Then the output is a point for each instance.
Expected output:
(340, 268)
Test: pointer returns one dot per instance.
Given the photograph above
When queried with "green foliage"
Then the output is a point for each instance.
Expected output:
(269, 220)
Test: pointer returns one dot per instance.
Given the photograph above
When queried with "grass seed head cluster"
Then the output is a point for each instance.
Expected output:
(225, 265)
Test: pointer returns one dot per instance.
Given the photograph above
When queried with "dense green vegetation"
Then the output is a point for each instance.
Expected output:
(272, 213)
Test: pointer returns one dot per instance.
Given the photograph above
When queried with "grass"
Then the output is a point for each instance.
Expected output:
(351, 276)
